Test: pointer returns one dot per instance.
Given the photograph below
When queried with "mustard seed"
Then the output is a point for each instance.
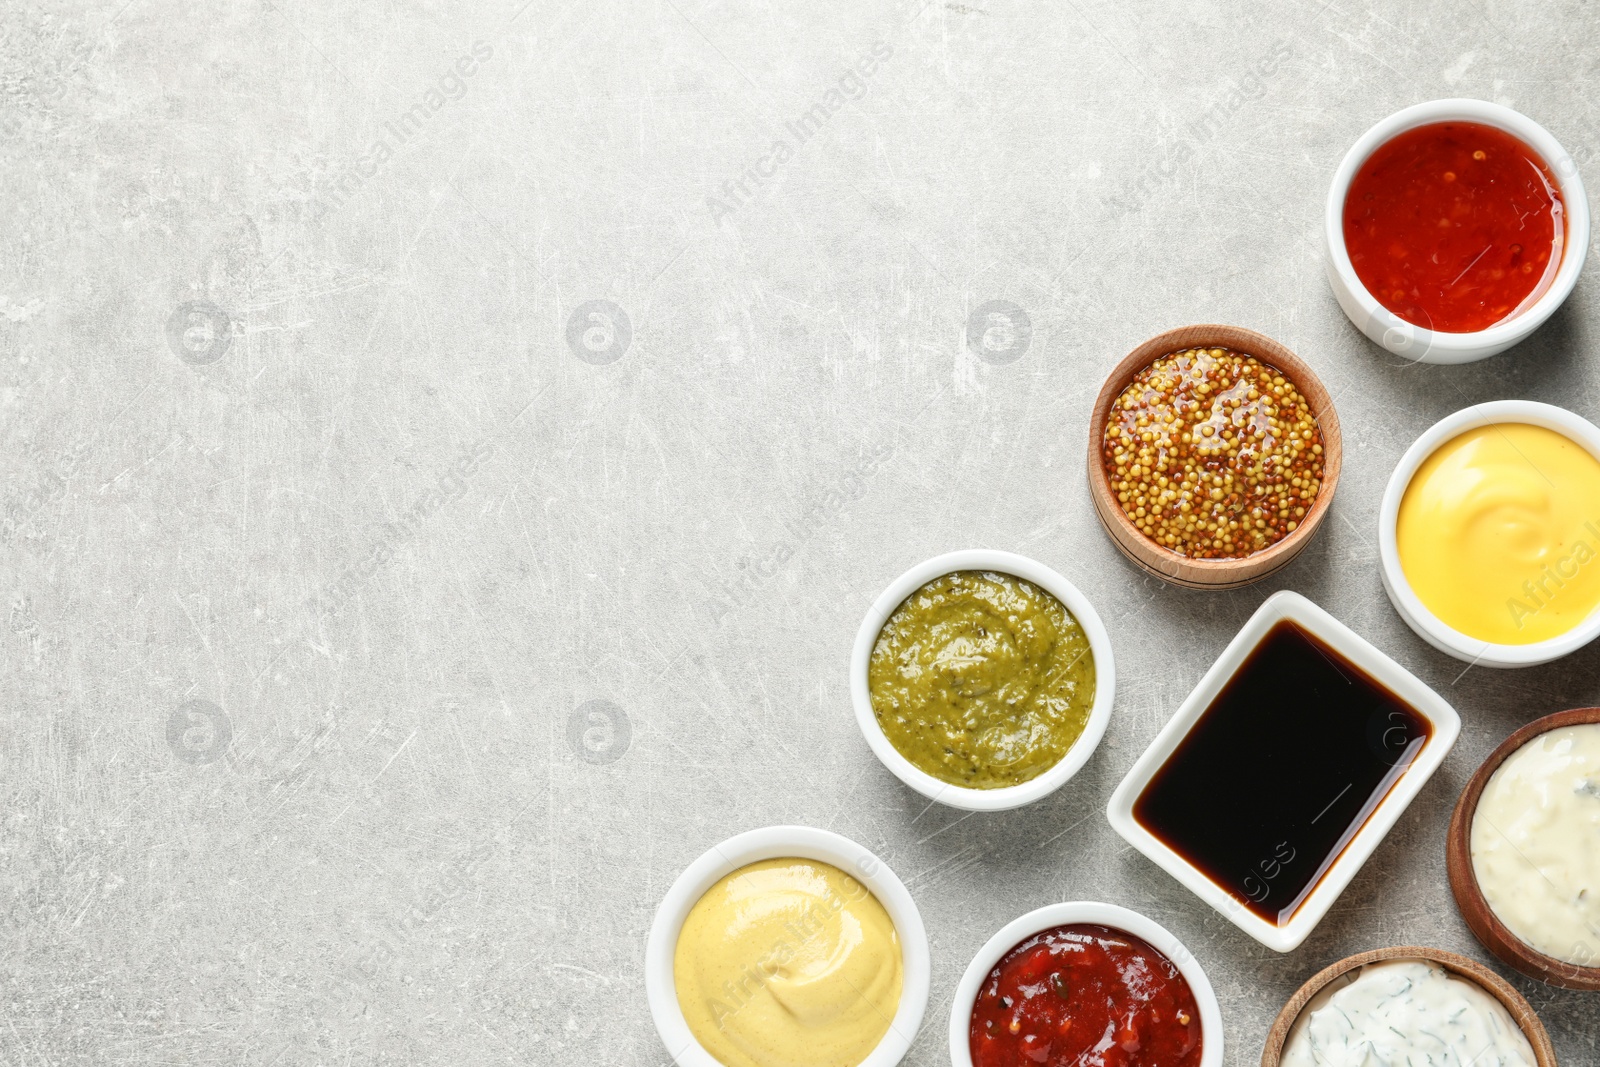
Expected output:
(1237, 445)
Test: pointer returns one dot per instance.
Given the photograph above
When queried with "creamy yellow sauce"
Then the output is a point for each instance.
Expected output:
(788, 963)
(1536, 843)
(1499, 533)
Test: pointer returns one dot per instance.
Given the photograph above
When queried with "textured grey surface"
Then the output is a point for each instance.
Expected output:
(300, 614)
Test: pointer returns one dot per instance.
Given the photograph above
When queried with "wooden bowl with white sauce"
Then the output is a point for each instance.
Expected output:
(1516, 1005)
(1485, 925)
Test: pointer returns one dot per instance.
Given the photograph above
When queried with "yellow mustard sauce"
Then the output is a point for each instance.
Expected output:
(1499, 531)
(788, 963)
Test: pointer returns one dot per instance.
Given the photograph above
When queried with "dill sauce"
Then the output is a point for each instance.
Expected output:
(1406, 1012)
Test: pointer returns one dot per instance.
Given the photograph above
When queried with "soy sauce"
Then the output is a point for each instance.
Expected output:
(1281, 771)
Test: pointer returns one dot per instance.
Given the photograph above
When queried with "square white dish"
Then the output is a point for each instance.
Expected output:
(1442, 719)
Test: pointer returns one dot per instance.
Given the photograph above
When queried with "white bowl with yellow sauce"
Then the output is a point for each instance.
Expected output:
(755, 962)
(1489, 534)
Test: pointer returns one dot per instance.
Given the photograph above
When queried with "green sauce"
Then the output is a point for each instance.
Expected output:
(982, 679)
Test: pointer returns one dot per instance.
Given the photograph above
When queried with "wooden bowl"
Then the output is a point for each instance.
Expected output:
(1481, 920)
(1544, 1054)
(1212, 573)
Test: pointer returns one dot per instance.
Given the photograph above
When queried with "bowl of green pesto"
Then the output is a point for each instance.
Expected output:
(982, 679)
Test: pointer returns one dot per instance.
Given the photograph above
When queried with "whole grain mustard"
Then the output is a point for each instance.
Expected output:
(1213, 454)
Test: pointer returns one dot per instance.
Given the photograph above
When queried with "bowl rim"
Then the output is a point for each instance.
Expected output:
(1290, 606)
(1213, 573)
(1461, 347)
(1410, 607)
(965, 797)
(778, 842)
(1115, 916)
(1480, 918)
(1515, 1003)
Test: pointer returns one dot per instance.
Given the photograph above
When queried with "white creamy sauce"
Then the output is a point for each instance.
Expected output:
(1536, 843)
(1405, 1013)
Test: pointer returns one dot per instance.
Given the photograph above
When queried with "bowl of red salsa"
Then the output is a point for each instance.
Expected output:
(1089, 985)
(1455, 228)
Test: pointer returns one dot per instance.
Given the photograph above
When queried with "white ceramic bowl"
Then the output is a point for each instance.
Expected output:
(957, 796)
(1084, 911)
(1431, 346)
(779, 842)
(1445, 723)
(1428, 625)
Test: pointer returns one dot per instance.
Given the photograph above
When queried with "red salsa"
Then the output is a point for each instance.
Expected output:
(1088, 996)
(1454, 226)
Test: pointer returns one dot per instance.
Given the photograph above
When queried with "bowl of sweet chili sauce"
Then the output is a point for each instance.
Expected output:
(1455, 228)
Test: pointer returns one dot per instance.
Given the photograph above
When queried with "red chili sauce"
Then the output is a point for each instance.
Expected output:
(1088, 996)
(1454, 226)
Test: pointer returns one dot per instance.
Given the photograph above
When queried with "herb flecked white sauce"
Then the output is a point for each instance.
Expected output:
(1406, 1013)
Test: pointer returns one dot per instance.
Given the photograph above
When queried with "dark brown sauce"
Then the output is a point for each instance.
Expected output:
(1281, 771)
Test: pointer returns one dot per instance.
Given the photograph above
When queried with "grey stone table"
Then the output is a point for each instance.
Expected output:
(449, 448)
